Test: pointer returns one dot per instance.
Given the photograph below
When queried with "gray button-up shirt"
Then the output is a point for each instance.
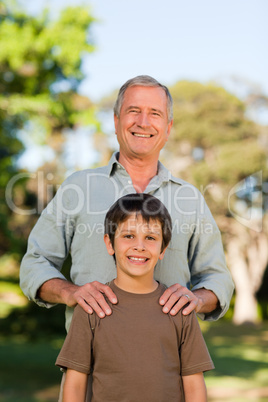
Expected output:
(74, 222)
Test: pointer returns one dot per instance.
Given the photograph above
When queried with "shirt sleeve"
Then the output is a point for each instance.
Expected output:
(49, 243)
(76, 352)
(207, 263)
(194, 354)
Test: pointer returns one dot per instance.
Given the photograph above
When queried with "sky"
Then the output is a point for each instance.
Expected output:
(173, 40)
(170, 40)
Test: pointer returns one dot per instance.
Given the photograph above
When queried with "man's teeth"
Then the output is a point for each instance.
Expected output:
(142, 135)
(137, 258)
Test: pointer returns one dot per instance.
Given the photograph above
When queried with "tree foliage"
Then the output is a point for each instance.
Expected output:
(213, 141)
(40, 73)
(40, 65)
(215, 146)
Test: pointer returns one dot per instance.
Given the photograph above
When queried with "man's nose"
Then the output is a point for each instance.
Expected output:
(143, 120)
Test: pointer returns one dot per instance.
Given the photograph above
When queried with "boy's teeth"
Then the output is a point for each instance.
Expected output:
(137, 259)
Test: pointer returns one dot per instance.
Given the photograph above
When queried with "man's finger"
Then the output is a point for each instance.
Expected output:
(91, 297)
(191, 307)
(174, 298)
(166, 295)
(177, 307)
(100, 307)
(107, 291)
(175, 303)
(84, 305)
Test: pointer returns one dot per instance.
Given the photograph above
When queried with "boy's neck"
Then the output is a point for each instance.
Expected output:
(136, 285)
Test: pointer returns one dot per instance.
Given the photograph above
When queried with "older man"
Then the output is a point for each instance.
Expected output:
(73, 221)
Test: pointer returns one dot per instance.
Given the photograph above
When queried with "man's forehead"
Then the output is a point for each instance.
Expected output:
(145, 94)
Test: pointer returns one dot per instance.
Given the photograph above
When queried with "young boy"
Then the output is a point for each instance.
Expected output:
(138, 353)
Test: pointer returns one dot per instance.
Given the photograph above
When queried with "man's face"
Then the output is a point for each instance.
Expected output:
(142, 128)
(137, 246)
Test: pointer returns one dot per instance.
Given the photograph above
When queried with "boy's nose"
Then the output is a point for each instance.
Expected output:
(139, 246)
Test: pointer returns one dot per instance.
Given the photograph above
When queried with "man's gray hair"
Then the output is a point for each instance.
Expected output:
(143, 81)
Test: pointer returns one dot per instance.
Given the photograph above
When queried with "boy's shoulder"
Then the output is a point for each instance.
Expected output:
(81, 315)
(93, 320)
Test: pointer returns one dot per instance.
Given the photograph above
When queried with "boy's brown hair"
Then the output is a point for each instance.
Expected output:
(149, 207)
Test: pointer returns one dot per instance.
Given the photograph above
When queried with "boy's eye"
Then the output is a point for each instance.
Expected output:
(150, 238)
(128, 236)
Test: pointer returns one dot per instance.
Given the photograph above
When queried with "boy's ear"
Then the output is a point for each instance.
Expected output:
(108, 244)
(161, 256)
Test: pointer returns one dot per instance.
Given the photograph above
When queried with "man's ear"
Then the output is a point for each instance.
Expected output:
(169, 127)
(115, 123)
(161, 256)
(108, 244)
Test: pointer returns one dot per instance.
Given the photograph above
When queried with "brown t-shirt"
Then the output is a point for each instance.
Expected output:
(139, 353)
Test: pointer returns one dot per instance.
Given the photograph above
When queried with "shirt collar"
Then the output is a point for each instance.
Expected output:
(113, 163)
(163, 174)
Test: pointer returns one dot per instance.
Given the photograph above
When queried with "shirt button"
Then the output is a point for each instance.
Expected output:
(129, 182)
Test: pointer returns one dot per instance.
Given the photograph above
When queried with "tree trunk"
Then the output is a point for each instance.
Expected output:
(245, 309)
(247, 254)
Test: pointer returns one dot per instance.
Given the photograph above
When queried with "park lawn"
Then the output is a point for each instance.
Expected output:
(240, 355)
(27, 370)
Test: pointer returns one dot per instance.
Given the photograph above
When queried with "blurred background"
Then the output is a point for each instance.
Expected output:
(61, 65)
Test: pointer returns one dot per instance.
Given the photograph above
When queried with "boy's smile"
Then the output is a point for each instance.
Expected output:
(137, 247)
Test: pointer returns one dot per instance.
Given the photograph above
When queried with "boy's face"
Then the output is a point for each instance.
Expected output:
(137, 247)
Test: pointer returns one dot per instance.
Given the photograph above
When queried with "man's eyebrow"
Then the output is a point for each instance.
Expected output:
(158, 111)
(132, 107)
(138, 108)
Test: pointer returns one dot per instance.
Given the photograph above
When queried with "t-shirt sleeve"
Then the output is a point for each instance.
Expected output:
(76, 352)
(194, 355)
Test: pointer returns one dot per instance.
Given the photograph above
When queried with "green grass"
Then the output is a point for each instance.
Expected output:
(27, 370)
(240, 355)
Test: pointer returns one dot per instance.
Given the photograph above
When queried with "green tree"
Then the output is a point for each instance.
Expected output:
(40, 73)
(215, 146)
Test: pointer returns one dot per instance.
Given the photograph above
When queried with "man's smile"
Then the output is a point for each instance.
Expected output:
(142, 135)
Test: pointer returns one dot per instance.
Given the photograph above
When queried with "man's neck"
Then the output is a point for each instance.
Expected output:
(140, 170)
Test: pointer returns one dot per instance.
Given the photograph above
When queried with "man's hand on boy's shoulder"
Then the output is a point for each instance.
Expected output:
(176, 297)
(91, 298)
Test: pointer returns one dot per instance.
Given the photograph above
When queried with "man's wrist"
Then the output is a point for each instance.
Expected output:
(207, 300)
(56, 291)
(66, 293)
